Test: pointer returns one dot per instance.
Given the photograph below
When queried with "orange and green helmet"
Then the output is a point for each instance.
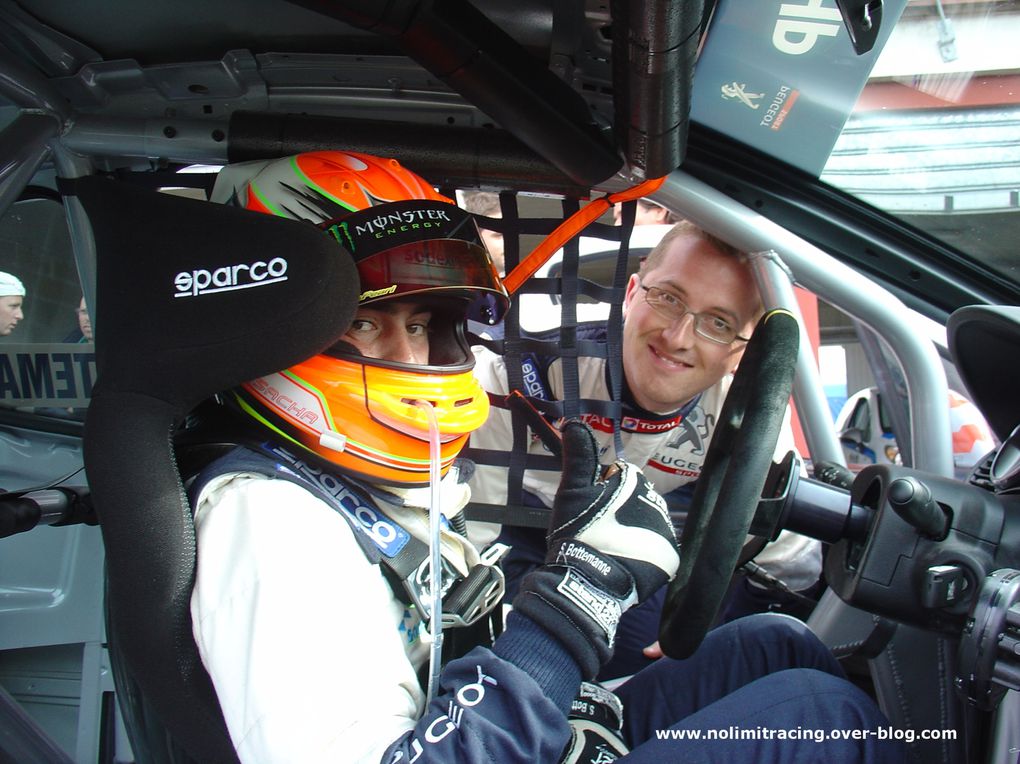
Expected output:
(409, 243)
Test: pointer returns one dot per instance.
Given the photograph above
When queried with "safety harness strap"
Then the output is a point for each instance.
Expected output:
(402, 557)
(243, 459)
(527, 354)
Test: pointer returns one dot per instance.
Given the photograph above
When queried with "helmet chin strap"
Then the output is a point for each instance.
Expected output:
(435, 552)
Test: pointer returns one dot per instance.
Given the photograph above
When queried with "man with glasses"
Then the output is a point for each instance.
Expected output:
(688, 314)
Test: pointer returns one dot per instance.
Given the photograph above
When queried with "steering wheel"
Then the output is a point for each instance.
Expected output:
(731, 482)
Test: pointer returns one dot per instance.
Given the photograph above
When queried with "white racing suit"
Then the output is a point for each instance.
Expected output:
(313, 656)
(669, 448)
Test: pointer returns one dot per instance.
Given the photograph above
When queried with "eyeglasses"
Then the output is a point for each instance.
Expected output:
(712, 328)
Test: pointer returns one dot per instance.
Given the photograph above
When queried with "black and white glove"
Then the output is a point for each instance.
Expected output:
(596, 727)
(611, 545)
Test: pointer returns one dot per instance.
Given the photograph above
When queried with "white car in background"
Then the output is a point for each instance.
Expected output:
(866, 433)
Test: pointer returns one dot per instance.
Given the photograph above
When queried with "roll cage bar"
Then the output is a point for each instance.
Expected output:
(525, 156)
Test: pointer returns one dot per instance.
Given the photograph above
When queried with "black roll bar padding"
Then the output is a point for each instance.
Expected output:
(460, 45)
(449, 156)
(655, 45)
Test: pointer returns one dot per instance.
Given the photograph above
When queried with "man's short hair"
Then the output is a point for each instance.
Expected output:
(687, 228)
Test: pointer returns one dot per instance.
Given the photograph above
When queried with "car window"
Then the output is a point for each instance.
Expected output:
(47, 364)
(922, 127)
(861, 418)
(932, 137)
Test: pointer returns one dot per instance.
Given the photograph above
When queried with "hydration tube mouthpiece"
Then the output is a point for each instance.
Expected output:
(435, 551)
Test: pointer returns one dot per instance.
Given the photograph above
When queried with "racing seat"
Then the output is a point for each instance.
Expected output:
(192, 298)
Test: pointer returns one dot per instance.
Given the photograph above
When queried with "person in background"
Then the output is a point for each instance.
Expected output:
(487, 203)
(12, 298)
(688, 314)
(83, 331)
(484, 316)
(84, 321)
(647, 213)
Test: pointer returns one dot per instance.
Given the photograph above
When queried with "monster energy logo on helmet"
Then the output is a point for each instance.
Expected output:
(417, 246)
(372, 230)
(401, 220)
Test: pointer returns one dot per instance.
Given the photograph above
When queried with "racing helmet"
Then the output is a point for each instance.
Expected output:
(409, 243)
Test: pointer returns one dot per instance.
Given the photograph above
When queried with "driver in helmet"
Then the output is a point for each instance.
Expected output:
(313, 608)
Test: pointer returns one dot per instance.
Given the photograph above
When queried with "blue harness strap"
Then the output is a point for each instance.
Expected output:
(403, 558)
(380, 538)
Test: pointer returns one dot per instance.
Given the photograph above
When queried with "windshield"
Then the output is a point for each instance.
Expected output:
(924, 127)
(933, 138)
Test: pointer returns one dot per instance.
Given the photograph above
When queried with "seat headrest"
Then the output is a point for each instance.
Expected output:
(195, 297)
(192, 298)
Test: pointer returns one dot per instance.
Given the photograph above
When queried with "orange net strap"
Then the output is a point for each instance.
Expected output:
(570, 228)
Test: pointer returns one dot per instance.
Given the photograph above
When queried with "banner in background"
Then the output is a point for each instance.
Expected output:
(783, 76)
(56, 374)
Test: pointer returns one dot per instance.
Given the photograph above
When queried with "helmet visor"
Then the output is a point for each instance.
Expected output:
(434, 266)
(418, 246)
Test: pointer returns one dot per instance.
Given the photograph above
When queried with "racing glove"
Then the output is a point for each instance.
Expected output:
(596, 724)
(611, 545)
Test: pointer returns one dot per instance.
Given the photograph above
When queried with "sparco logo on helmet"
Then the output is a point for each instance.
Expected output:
(404, 220)
(230, 277)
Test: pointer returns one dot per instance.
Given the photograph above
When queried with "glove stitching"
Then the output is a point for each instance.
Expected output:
(600, 655)
(559, 610)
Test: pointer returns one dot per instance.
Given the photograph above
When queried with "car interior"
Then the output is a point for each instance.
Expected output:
(863, 154)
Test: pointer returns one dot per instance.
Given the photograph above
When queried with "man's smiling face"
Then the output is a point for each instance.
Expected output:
(666, 363)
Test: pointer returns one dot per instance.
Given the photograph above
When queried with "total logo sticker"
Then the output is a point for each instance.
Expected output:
(230, 278)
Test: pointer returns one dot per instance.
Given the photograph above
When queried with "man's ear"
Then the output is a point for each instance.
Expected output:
(633, 285)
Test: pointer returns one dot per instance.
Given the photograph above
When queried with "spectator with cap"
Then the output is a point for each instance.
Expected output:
(12, 297)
